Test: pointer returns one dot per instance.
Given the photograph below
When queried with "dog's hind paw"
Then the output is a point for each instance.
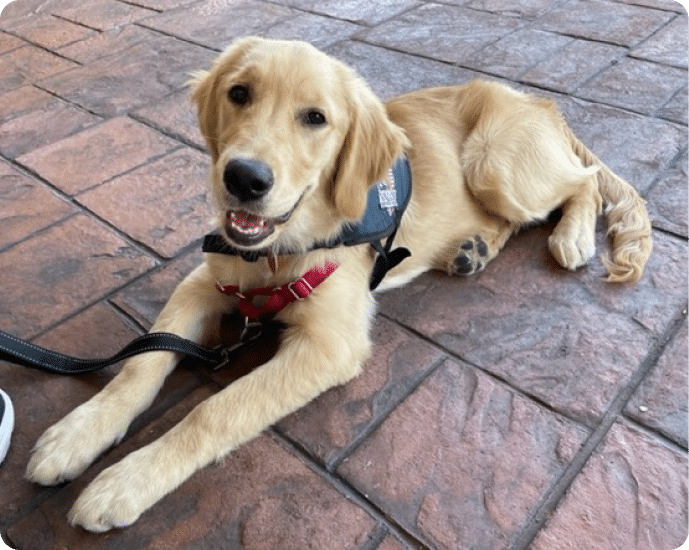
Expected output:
(472, 257)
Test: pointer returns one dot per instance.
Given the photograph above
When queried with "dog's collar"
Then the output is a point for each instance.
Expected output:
(386, 203)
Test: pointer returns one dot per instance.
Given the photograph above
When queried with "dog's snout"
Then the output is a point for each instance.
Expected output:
(248, 179)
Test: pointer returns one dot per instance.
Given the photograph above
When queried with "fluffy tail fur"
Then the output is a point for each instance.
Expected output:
(628, 223)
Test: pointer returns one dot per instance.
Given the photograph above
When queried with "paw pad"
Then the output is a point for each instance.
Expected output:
(472, 257)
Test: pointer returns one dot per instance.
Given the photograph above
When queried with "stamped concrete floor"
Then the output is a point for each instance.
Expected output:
(526, 407)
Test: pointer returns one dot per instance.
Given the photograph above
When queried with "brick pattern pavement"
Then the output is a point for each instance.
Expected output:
(526, 407)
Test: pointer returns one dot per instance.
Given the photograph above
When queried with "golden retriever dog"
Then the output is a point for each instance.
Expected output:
(297, 140)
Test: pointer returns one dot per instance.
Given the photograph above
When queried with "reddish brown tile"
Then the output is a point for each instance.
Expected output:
(106, 43)
(35, 119)
(216, 24)
(636, 85)
(49, 32)
(528, 9)
(15, 12)
(676, 109)
(27, 65)
(9, 43)
(95, 155)
(463, 461)
(260, 496)
(391, 543)
(341, 416)
(431, 30)
(176, 116)
(359, 11)
(621, 24)
(171, 198)
(632, 494)
(100, 14)
(389, 73)
(569, 68)
(62, 270)
(162, 5)
(668, 201)
(144, 299)
(26, 206)
(667, 5)
(661, 400)
(668, 46)
(21, 101)
(319, 31)
(514, 54)
(131, 77)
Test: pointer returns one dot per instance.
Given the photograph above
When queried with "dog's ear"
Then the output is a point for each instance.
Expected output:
(371, 145)
(204, 85)
(205, 91)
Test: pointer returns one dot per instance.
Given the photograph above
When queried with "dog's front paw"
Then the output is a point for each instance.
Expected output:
(106, 503)
(66, 449)
(124, 491)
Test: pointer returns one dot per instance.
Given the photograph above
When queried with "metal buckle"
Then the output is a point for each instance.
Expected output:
(294, 293)
(252, 330)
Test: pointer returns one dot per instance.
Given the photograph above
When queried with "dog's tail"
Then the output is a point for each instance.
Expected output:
(629, 226)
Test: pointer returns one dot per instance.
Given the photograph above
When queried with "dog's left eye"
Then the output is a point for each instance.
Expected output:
(313, 117)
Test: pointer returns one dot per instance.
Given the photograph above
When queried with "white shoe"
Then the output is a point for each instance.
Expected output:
(6, 424)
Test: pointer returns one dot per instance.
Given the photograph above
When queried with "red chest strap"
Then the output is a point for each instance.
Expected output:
(280, 297)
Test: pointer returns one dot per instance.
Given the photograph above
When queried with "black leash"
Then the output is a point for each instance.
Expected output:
(21, 352)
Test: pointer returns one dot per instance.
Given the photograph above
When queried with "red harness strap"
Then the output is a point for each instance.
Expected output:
(280, 297)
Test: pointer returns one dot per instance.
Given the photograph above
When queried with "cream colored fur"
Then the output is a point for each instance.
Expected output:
(485, 159)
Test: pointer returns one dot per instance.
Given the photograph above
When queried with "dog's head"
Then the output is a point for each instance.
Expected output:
(296, 138)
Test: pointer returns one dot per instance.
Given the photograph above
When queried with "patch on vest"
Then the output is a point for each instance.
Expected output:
(387, 193)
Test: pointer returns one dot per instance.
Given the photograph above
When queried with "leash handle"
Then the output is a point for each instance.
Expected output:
(21, 352)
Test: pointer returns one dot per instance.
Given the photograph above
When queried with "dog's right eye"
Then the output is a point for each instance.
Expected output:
(239, 94)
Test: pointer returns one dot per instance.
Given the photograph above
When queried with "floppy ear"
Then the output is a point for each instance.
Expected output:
(371, 145)
(205, 90)
(204, 85)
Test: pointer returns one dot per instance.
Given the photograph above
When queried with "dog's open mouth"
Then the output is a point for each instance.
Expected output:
(247, 229)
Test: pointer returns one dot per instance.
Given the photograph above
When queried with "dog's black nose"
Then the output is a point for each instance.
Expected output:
(248, 179)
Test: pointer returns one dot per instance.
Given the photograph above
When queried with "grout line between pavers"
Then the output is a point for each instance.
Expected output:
(660, 176)
(101, 118)
(161, 33)
(375, 540)
(301, 10)
(340, 456)
(509, 386)
(157, 11)
(56, 53)
(166, 132)
(557, 491)
(349, 492)
(39, 231)
(654, 434)
(77, 23)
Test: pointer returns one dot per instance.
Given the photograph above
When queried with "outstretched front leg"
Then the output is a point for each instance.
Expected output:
(325, 347)
(66, 449)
